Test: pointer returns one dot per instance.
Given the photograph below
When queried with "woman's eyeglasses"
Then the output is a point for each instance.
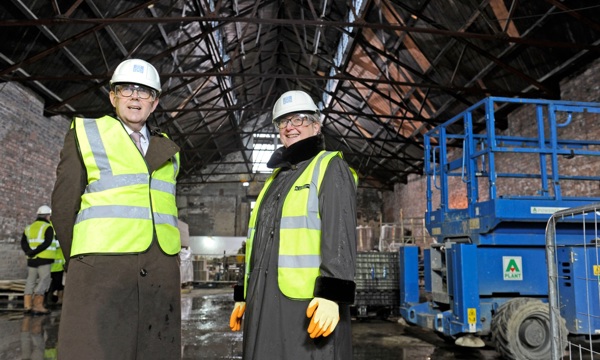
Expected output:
(295, 120)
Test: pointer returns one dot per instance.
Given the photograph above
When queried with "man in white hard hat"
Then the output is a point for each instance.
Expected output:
(116, 220)
(37, 243)
(299, 271)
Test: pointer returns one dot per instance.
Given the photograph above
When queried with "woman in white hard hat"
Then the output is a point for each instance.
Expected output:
(301, 247)
(116, 220)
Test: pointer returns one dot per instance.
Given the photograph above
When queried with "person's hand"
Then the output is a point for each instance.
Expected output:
(325, 317)
(235, 321)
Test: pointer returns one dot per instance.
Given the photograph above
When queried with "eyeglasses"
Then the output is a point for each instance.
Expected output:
(128, 89)
(295, 120)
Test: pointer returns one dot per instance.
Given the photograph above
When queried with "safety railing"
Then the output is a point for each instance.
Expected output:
(573, 260)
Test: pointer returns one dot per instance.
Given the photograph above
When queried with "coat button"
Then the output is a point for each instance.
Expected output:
(143, 272)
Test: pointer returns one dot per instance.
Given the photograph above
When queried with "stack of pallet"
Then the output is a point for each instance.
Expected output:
(12, 286)
(11, 295)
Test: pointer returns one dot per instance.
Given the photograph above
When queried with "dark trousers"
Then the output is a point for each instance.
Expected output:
(55, 285)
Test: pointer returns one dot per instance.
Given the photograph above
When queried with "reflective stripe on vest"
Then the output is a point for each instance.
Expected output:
(122, 205)
(300, 230)
(35, 234)
(59, 259)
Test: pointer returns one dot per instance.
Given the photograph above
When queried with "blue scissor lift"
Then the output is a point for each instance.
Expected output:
(493, 193)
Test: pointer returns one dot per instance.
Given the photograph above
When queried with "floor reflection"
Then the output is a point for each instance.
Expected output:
(205, 328)
(206, 335)
(28, 336)
(38, 337)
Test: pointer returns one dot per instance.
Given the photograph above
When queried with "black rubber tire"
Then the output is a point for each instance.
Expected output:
(521, 330)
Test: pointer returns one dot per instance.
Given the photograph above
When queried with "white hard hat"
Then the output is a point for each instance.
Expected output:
(291, 102)
(44, 210)
(136, 71)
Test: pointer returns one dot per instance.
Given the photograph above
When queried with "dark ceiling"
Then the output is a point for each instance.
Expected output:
(384, 72)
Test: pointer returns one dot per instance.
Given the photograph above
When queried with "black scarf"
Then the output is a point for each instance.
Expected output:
(302, 150)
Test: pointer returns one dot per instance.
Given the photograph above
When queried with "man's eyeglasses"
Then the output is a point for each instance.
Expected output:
(295, 120)
(128, 89)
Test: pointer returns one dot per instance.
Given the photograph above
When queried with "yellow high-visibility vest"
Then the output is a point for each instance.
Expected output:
(123, 205)
(300, 230)
(35, 237)
(59, 259)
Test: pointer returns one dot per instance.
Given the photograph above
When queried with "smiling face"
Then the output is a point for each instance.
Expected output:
(291, 134)
(133, 110)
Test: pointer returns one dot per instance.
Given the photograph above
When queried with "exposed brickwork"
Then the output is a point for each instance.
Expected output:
(215, 209)
(409, 197)
(30, 151)
(13, 264)
(369, 205)
(212, 215)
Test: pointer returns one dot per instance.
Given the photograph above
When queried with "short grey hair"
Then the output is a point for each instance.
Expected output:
(315, 117)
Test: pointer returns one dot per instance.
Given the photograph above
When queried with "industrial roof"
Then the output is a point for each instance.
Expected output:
(383, 72)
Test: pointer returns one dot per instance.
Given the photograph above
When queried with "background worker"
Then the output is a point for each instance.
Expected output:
(37, 244)
(117, 226)
(301, 248)
(240, 260)
(57, 271)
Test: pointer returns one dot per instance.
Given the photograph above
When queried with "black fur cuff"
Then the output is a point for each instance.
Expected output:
(334, 289)
(238, 293)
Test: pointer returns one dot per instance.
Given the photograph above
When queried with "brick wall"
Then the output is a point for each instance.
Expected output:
(408, 198)
(219, 209)
(30, 151)
(584, 86)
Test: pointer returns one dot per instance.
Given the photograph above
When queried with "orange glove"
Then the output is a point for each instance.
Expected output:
(325, 317)
(235, 321)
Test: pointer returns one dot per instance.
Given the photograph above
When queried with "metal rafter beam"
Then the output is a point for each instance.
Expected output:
(284, 22)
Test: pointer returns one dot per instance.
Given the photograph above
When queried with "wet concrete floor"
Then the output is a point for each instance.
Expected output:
(206, 335)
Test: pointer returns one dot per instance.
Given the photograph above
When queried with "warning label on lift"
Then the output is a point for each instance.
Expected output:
(512, 266)
(472, 319)
(545, 210)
